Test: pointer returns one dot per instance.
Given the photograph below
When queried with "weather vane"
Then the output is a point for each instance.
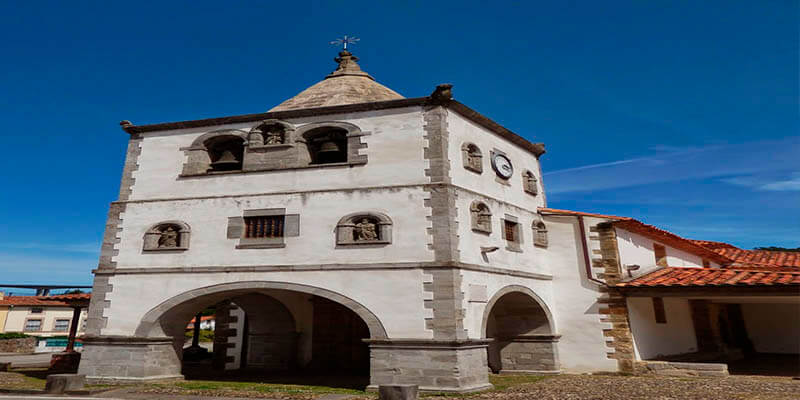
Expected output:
(345, 40)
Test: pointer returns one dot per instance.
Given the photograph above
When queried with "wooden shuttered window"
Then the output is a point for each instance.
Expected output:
(264, 226)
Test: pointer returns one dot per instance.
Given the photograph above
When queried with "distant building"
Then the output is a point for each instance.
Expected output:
(37, 315)
(207, 322)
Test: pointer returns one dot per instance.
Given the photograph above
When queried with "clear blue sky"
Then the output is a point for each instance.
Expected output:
(683, 114)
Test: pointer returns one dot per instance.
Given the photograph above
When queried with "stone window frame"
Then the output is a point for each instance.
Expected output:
(465, 157)
(354, 139)
(530, 188)
(516, 244)
(256, 139)
(344, 229)
(198, 159)
(150, 237)
(539, 228)
(236, 229)
(41, 325)
(473, 211)
(55, 324)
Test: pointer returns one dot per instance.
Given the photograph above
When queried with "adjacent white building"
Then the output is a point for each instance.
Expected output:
(350, 228)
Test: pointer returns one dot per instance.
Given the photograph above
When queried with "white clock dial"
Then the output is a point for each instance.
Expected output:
(502, 165)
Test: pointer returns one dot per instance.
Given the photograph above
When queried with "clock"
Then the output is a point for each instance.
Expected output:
(502, 165)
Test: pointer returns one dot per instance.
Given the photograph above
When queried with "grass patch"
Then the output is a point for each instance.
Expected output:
(20, 380)
(203, 386)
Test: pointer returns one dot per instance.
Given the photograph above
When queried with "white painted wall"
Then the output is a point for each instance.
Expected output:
(319, 213)
(395, 150)
(461, 131)
(652, 339)
(773, 328)
(394, 296)
(637, 249)
(582, 347)
(532, 258)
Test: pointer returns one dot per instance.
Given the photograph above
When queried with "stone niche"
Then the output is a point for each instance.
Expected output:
(167, 236)
(364, 228)
(275, 145)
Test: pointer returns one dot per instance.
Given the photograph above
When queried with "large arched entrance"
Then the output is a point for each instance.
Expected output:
(271, 331)
(524, 339)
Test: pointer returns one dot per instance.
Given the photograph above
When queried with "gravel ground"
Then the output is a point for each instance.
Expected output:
(601, 387)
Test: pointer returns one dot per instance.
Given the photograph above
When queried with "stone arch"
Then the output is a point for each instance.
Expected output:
(539, 233)
(523, 332)
(199, 142)
(198, 156)
(256, 135)
(480, 217)
(472, 157)
(347, 135)
(154, 233)
(521, 289)
(348, 224)
(149, 325)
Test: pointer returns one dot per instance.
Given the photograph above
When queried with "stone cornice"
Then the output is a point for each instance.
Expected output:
(323, 267)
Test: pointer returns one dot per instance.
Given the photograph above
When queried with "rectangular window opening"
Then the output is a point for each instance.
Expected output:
(510, 231)
(270, 226)
(706, 263)
(658, 310)
(660, 254)
(33, 325)
(36, 310)
(61, 325)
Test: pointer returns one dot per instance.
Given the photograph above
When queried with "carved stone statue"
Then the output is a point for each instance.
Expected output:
(474, 158)
(366, 230)
(169, 238)
(530, 183)
(273, 137)
(484, 220)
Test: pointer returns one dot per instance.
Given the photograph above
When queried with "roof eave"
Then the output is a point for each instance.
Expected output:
(536, 148)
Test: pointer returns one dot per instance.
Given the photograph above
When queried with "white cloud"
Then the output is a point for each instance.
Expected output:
(715, 161)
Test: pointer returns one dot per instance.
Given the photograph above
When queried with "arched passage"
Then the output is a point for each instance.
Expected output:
(523, 331)
(272, 326)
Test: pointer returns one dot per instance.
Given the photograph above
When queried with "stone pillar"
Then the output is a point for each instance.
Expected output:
(528, 354)
(434, 365)
(129, 359)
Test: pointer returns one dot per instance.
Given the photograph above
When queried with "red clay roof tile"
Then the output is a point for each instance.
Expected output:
(697, 277)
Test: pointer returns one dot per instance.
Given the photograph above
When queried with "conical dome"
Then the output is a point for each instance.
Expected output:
(348, 84)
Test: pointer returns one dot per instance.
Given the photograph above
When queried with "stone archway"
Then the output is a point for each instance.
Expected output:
(187, 302)
(523, 331)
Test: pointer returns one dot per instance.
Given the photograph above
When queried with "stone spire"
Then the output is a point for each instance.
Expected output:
(347, 84)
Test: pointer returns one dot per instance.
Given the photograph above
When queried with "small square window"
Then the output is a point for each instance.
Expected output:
(37, 310)
(61, 325)
(706, 263)
(33, 325)
(270, 226)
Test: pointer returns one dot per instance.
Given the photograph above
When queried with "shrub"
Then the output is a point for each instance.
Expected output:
(12, 335)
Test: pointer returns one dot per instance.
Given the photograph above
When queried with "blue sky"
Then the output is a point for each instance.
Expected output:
(683, 114)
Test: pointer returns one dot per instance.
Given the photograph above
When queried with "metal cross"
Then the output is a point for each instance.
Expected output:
(345, 40)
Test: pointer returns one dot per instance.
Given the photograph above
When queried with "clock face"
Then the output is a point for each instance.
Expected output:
(502, 165)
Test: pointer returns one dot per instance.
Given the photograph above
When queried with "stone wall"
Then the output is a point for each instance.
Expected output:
(128, 359)
(20, 345)
(440, 366)
(527, 354)
(682, 368)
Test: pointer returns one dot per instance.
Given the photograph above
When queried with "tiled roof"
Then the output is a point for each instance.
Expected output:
(545, 210)
(71, 296)
(31, 301)
(742, 256)
(671, 239)
(698, 277)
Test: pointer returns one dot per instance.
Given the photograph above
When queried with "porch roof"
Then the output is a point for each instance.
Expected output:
(716, 277)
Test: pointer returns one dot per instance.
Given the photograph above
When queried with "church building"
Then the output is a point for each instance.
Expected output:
(405, 240)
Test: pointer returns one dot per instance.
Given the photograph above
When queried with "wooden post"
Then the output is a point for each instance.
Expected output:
(73, 328)
(196, 335)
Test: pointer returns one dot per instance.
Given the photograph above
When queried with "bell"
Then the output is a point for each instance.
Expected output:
(225, 161)
(328, 147)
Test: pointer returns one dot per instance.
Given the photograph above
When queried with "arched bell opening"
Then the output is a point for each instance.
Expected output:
(272, 335)
(225, 152)
(524, 339)
(327, 145)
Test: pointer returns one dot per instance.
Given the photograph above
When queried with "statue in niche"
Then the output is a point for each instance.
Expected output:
(366, 230)
(530, 183)
(169, 238)
(273, 136)
(484, 218)
(474, 158)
